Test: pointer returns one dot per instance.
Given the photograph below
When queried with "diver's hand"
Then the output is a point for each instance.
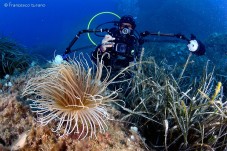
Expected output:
(107, 42)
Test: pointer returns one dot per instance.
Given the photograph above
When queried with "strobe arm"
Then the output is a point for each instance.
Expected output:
(180, 36)
(68, 49)
(195, 46)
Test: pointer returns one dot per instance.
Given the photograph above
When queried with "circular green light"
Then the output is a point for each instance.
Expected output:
(88, 26)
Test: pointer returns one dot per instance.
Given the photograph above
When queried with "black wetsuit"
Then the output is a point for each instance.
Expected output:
(126, 49)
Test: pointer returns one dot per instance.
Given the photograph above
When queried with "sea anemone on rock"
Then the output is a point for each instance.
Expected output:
(73, 95)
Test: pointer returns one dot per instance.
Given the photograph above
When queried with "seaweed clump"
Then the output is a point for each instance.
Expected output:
(12, 57)
(177, 112)
(15, 119)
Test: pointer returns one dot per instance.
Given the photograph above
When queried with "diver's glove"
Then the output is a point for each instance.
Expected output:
(107, 42)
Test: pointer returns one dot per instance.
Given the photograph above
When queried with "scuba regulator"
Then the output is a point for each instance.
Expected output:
(126, 30)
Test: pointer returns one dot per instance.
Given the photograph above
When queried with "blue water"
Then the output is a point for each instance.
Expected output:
(53, 25)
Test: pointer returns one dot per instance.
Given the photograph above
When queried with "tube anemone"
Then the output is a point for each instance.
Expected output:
(73, 95)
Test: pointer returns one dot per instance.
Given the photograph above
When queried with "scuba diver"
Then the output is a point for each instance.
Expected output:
(124, 46)
(123, 43)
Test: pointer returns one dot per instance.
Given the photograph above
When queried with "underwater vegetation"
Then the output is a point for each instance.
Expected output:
(12, 57)
(174, 107)
(15, 119)
(177, 112)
